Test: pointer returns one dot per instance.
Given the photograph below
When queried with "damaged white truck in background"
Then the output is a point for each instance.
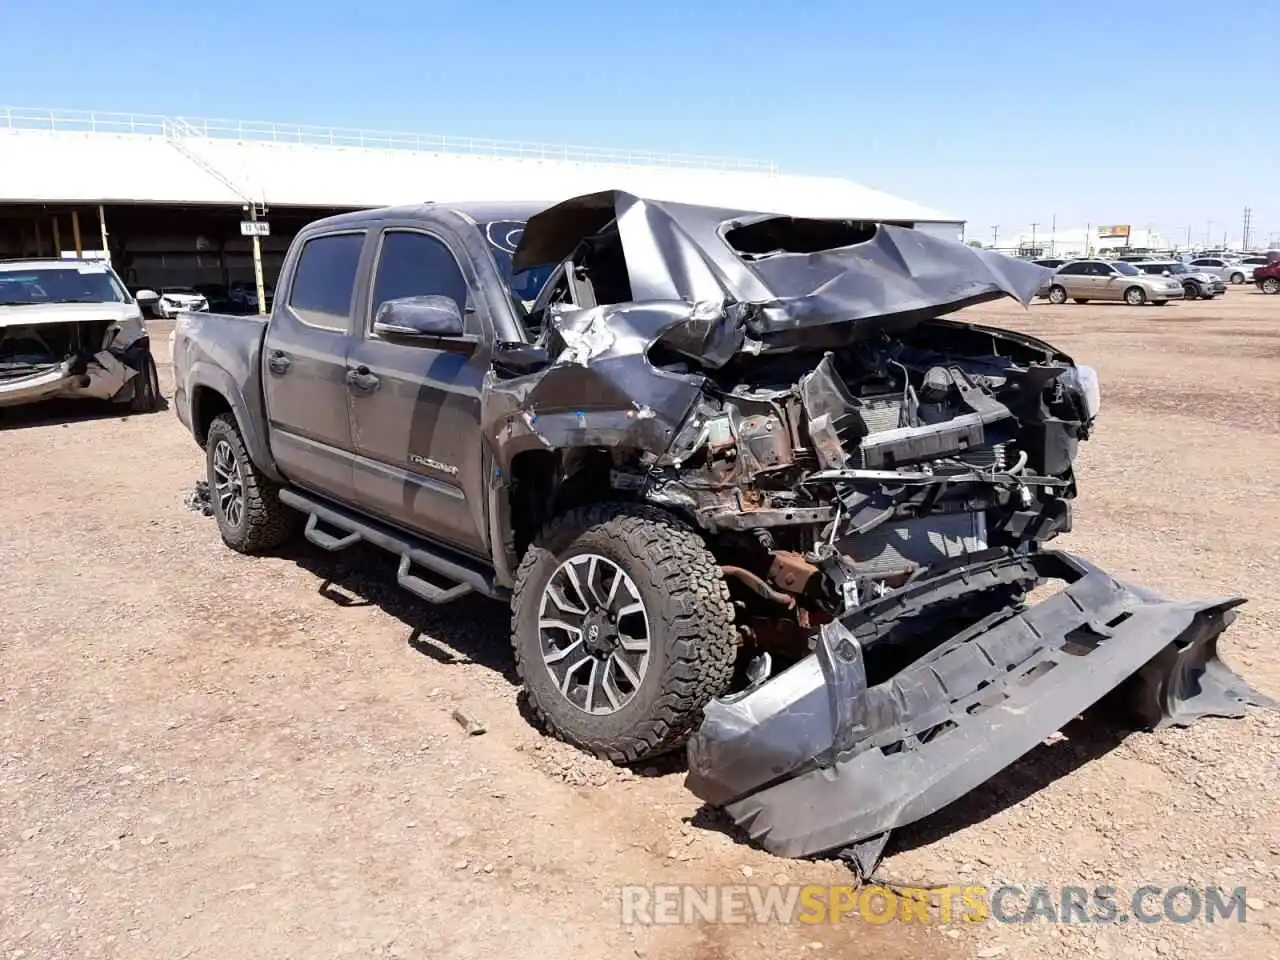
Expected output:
(69, 328)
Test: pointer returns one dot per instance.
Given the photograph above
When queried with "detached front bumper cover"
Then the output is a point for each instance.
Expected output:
(815, 761)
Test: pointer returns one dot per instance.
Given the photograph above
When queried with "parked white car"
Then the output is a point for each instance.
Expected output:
(1233, 271)
(69, 328)
(173, 300)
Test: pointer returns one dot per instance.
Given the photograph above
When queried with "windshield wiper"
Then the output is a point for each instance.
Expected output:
(17, 303)
(82, 300)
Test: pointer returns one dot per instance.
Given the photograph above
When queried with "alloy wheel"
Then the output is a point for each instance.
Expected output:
(595, 634)
(228, 483)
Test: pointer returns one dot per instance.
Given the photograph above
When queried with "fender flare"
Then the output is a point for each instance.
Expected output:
(207, 376)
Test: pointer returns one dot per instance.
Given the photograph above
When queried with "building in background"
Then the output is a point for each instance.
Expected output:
(1085, 241)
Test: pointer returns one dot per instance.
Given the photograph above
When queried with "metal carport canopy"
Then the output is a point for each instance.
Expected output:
(147, 159)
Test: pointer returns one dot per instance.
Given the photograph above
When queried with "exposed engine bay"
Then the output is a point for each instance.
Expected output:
(877, 484)
(836, 478)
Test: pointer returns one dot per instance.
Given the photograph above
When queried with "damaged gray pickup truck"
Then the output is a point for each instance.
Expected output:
(741, 482)
(69, 328)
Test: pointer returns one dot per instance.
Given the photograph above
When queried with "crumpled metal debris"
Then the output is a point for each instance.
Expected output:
(884, 278)
(816, 760)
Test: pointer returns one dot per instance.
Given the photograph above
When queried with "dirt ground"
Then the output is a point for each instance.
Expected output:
(208, 755)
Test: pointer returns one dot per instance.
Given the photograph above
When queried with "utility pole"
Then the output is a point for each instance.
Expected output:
(257, 259)
(1188, 236)
(1053, 236)
(995, 233)
(1208, 234)
(1034, 251)
(1244, 233)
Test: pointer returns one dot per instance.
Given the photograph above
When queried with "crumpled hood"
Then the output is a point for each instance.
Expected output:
(29, 314)
(893, 277)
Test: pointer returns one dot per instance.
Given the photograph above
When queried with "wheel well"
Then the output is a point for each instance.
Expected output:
(546, 483)
(207, 405)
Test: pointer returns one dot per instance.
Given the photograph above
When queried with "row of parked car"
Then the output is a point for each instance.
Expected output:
(240, 297)
(1139, 280)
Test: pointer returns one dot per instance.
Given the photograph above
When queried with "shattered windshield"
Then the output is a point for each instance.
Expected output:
(503, 237)
(83, 283)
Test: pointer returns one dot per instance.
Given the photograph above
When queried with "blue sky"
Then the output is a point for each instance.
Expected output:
(999, 112)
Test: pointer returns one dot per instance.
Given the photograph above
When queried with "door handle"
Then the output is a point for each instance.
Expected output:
(278, 362)
(361, 380)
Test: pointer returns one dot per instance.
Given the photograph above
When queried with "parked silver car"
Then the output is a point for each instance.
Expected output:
(1195, 284)
(1232, 271)
(1086, 280)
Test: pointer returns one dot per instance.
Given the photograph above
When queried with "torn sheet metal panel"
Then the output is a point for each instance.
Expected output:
(106, 375)
(600, 389)
(800, 277)
(815, 760)
(102, 376)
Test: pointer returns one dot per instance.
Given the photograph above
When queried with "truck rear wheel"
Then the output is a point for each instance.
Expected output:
(623, 630)
(246, 504)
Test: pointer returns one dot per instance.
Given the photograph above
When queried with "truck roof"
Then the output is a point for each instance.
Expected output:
(481, 211)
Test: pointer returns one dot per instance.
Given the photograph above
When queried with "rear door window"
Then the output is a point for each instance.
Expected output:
(324, 281)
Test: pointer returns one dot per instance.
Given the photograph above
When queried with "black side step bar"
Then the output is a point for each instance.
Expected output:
(466, 577)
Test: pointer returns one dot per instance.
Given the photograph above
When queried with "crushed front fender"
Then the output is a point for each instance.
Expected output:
(816, 761)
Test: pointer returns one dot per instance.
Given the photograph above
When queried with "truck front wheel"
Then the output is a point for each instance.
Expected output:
(246, 504)
(623, 630)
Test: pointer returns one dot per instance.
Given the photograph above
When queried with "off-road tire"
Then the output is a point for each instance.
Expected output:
(693, 641)
(1135, 301)
(265, 523)
(1269, 285)
(146, 387)
(1057, 294)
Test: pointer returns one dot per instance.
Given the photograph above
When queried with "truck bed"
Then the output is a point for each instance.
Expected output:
(220, 350)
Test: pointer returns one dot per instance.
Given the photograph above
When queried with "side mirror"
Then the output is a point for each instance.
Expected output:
(418, 318)
(146, 297)
(1166, 273)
